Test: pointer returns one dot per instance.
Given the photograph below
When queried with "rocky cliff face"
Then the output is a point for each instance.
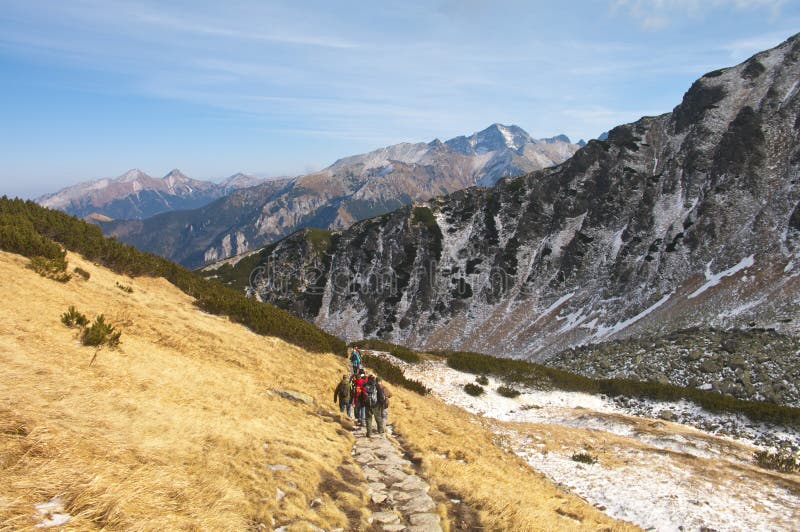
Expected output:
(688, 218)
(349, 190)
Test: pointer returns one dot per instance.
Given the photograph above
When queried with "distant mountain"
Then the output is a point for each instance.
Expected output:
(351, 189)
(684, 220)
(136, 195)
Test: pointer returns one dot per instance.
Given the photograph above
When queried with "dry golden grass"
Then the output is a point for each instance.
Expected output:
(176, 429)
(460, 455)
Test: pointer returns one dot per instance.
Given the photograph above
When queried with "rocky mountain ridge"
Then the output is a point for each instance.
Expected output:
(351, 189)
(136, 195)
(690, 218)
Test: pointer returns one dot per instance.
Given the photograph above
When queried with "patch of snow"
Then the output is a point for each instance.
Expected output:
(508, 137)
(713, 279)
(662, 495)
(573, 320)
(741, 309)
(789, 267)
(563, 237)
(790, 91)
(51, 513)
(560, 301)
(616, 243)
(604, 330)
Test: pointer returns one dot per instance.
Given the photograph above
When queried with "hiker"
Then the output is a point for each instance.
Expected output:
(342, 395)
(374, 405)
(355, 359)
(359, 398)
(386, 393)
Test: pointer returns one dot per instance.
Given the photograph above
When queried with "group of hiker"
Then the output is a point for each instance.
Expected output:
(363, 397)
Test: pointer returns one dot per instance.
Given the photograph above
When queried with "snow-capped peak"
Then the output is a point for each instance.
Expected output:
(176, 175)
(132, 175)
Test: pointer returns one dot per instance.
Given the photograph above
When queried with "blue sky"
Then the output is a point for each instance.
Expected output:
(92, 88)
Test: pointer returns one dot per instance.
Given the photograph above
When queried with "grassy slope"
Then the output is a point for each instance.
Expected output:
(176, 428)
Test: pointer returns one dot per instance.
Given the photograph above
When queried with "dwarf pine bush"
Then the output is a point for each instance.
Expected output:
(508, 391)
(783, 460)
(124, 287)
(55, 269)
(393, 374)
(83, 273)
(482, 380)
(73, 318)
(473, 389)
(100, 333)
(584, 458)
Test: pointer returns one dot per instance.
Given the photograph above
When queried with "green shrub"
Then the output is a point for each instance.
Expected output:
(399, 351)
(508, 391)
(584, 458)
(73, 318)
(783, 460)
(124, 287)
(100, 333)
(83, 273)
(424, 216)
(391, 373)
(55, 269)
(31, 230)
(473, 389)
(482, 380)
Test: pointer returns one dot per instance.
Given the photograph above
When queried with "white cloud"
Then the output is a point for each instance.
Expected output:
(741, 49)
(657, 14)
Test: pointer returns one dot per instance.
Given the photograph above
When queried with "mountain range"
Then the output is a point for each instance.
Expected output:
(687, 219)
(136, 195)
(351, 189)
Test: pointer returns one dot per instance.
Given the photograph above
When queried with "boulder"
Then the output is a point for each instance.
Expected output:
(709, 366)
(667, 415)
(295, 396)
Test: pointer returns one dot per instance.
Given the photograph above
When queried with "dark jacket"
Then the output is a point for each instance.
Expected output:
(342, 393)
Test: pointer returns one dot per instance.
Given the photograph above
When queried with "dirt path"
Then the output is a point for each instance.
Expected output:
(400, 496)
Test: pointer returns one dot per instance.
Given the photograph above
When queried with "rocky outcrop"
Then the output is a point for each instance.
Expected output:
(674, 221)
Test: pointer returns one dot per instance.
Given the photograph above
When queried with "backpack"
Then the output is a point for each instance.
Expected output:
(372, 394)
(355, 358)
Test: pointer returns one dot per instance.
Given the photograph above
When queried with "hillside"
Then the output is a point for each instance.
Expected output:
(687, 219)
(349, 190)
(178, 428)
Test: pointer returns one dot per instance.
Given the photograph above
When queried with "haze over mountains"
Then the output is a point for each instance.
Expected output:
(687, 219)
(351, 189)
(137, 195)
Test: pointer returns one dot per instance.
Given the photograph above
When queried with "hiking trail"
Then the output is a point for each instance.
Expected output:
(400, 495)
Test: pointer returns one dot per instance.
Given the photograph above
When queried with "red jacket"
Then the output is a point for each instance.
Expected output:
(360, 393)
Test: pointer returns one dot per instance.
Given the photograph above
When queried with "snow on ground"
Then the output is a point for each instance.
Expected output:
(650, 486)
(604, 331)
(51, 513)
(713, 279)
(666, 495)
